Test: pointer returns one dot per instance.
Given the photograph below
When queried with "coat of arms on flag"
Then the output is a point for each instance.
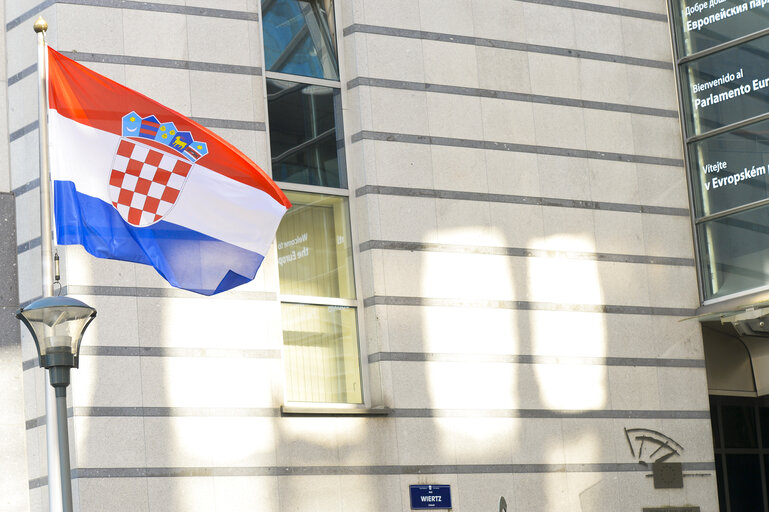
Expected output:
(150, 168)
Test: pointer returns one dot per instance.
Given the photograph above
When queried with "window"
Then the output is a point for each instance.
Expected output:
(319, 305)
(721, 52)
(741, 441)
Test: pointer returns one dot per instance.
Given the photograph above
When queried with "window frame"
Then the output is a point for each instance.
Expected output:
(358, 302)
(679, 60)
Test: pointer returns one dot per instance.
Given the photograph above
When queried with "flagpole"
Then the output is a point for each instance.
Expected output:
(59, 483)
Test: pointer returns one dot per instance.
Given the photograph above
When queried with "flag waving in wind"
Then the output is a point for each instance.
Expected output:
(136, 181)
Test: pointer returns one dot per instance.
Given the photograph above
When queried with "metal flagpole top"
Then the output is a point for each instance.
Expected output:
(41, 25)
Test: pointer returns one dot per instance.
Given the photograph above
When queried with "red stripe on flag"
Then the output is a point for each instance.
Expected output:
(87, 97)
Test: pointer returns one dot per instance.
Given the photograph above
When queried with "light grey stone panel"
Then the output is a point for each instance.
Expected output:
(96, 446)
(86, 28)
(394, 59)
(114, 494)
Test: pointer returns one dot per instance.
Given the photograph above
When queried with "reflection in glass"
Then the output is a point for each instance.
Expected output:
(299, 37)
(731, 169)
(699, 28)
(745, 487)
(739, 426)
(735, 253)
(725, 87)
(305, 132)
(314, 251)
(320, 350)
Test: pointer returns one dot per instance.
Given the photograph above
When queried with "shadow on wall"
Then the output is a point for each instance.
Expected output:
(14, 480)
(505, 341)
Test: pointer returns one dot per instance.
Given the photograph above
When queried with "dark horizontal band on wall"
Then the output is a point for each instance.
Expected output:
(358, 28)
(513, 147)
(208, 122)
(117, 351)
(390, 245)
(138, 291)
(28, 245)
(190, 65)
(180, 352)
(551, 414)
(21, 132)
(526, 200)
(605, 9)
(24, 73)
(534, 359)
(522, 305)
(448, 469)
(507, 95)
(139, 6)
(268, 412)
(163, 293)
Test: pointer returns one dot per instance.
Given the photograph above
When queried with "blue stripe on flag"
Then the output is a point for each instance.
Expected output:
(185, 258)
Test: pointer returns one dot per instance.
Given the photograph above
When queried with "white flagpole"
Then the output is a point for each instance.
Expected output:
(59, 483)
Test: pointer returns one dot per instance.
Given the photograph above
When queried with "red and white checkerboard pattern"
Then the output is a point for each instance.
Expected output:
(145, 182)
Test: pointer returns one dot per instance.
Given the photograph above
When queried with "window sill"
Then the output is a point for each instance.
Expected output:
(291, 410)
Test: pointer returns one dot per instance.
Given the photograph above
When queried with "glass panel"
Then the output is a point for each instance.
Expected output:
(720, 483)
(314, 247)
(305, 133)
(745, 486)
(735, 253)
(729, 170)
(726, 87)
(714, 423)
(701, 24)
(299, 37)
(739, 426)
(320, 349)
(763, 415)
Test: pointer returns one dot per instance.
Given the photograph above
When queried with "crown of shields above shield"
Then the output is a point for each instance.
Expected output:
(146, 181)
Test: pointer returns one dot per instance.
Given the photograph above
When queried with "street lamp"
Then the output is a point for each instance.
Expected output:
(57, 325)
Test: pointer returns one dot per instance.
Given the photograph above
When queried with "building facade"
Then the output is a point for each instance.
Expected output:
(488, 279)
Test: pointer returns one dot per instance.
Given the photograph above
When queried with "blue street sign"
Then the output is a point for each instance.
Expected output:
(430, 496)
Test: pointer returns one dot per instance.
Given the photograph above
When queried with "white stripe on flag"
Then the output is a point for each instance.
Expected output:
(210, 203)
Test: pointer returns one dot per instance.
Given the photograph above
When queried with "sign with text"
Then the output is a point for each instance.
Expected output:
(430, 496)
(730, 169)
(702, 24)
(726, 87)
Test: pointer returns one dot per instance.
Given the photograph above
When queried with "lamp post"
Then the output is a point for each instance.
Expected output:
(57, 325)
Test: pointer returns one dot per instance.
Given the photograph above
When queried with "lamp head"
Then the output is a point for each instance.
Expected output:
(57, 325)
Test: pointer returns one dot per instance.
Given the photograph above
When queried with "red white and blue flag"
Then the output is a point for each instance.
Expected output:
(136, 181)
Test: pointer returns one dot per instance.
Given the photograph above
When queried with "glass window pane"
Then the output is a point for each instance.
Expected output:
(764, 417)
(314, 247)
(729, 170)
(320, 350)
(726, 87)
(739, 425)
(743, 472)
(299, 37)
(734, 251)
(714, 423)
(720, 483)
(702, 24)
(305, 134)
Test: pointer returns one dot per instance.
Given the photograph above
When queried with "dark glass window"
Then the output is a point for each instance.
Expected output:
(299, 37)
(735, 252)
(730, 169)
(702, 24)
(305, 134)
(739, 424)
(725, 87)
(741, 429)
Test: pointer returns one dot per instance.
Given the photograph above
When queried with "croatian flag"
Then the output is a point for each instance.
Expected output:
(136, 181)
